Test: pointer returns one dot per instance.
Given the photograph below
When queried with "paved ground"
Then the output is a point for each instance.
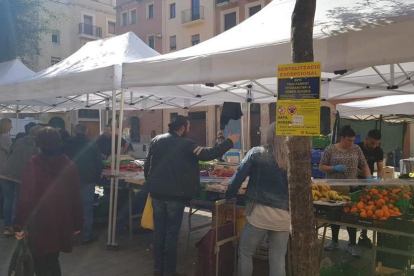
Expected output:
(135, 257)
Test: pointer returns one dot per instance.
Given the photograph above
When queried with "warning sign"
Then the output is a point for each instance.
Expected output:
(298, 100)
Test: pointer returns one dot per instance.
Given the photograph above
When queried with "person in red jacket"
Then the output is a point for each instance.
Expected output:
(49, 209)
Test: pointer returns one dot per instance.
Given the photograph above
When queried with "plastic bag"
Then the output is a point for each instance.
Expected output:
(22, 261)
(147, 220)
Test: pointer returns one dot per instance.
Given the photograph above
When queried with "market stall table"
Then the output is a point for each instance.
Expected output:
(133, 180)
(325, 223)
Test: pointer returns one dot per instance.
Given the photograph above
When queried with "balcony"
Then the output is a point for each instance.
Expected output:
(220, 3)
(192, 16)
(89, 31)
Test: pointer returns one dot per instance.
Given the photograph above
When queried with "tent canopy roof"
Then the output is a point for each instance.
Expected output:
(389, 108)
(348, 34)
(13, 70)
(93, 68)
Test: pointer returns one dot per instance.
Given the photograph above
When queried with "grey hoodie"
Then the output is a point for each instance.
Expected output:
(5, 144)
(16, 162)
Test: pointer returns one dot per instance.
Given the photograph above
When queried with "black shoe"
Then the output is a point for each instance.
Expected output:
(365, 242)
(90, 241)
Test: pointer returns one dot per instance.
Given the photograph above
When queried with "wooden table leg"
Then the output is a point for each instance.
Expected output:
(374, 252)
(130, 212)
(323, 241)
(190, 213)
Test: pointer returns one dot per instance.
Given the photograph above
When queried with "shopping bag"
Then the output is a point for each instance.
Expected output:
(147, 220)
(21, 263)
(206, 265)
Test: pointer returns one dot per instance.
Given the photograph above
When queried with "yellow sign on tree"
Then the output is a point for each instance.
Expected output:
(298, 99)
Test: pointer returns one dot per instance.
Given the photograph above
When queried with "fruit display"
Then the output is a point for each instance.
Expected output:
(377, 203)
(324, 193)
(222, 173)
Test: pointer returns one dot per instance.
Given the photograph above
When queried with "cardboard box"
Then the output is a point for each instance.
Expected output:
(389, 172)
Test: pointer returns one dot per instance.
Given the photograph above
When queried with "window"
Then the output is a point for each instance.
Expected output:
(135, 129)
(88, 113)
(254, 10)
(133, 17)
(153, 133)
(172, 10)
(173, 115)
(111, 27)
(150, 11)
(88, 25)
(56, 38)
(54, 60)
(195, 39)
(230, 20)
(173, 42)
(124, 21)
(151, 41)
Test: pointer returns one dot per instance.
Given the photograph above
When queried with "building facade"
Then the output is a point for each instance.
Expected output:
(144, 18)
(230, 13)
(187, 23)
(77, 22)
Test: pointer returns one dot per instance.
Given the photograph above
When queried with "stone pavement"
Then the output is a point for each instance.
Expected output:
(134, 258)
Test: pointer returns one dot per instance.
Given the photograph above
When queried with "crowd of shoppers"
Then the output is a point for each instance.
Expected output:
(48, 182)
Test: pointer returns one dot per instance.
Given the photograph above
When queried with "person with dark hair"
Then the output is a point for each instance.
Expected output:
(373, 154)
(173, 177)
(49, 206)
(87, 156)
(64, 134)
(12, 173)
(104, 142)
(26, 132)
(342, 161)
(5, 145)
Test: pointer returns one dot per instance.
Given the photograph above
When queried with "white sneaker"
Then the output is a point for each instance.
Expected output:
(331, 246)
(353, 250)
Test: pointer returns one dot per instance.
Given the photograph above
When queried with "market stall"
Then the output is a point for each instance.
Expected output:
(383, 207)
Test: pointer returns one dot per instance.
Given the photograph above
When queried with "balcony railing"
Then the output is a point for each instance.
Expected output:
(89, 30)
(193, 14)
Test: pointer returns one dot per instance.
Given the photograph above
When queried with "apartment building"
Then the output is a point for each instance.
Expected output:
(187, 23)
(78, 22)
(229, 13)
(144, 18)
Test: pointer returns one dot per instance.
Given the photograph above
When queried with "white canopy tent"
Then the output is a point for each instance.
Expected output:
(13, 70)
(351, 37)
(86, 79)
(389, 108)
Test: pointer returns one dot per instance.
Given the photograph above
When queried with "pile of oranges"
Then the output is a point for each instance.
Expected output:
(377, 203)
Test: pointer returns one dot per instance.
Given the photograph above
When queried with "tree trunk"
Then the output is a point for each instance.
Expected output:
(304, 252)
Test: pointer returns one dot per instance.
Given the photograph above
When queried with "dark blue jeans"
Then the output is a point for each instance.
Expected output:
(168, 216)
(88, 196)
(10, 192)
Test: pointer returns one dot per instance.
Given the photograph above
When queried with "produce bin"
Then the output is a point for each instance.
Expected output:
(320, 142)
(316, 155)
(341, 270)
(316, 173)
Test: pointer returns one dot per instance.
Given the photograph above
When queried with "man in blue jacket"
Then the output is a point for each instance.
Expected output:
(173, 177)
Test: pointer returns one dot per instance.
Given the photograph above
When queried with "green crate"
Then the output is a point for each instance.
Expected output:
(404, 205)
(320, 142)
(341, 270)
(355, 196)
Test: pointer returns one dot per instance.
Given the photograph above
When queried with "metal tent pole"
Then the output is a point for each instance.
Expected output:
(118, 162)
(111, 193)
(242, 140)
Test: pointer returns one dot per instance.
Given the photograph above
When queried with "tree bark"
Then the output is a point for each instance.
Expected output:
(304, 251)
